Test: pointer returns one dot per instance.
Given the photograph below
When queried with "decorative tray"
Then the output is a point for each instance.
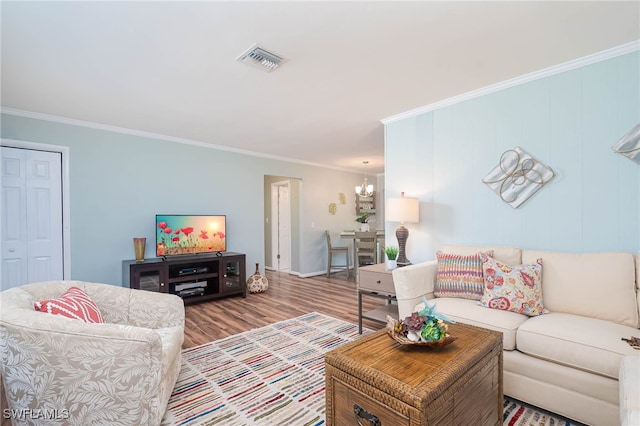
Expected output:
(404, 341)
(392, 330)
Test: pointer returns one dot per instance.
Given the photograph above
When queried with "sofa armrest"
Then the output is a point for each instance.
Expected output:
(629, 392)
(411, 283)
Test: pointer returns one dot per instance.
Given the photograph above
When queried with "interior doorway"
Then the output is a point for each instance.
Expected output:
(282, 212)
(34, 226)
(281, 225)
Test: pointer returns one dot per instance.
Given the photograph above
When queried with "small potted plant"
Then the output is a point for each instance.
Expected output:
(363, 220)
(392, 256)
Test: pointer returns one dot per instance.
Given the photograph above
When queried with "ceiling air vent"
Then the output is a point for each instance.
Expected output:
(261, 58)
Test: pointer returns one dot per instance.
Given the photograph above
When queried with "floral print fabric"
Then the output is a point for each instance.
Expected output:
(512, 288)
(120, 372)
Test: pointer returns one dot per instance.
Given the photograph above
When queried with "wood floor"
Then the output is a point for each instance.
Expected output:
(288, 297)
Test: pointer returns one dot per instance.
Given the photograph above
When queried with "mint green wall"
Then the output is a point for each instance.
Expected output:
(568, 121)
(119, 182)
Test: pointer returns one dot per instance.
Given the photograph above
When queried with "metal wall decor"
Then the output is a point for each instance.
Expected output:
(517, 177)
(629, 144)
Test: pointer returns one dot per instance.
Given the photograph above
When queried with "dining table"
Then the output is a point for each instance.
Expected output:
(350, 234)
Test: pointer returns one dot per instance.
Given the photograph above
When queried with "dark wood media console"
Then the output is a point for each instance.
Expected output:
(194, 278)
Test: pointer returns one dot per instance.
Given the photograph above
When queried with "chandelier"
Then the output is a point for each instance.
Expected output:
(365, 190)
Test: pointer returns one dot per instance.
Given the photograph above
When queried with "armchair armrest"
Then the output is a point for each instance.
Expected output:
(155, 310)
(411, 283)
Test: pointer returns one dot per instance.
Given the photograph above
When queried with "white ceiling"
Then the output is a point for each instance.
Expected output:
(169, 68)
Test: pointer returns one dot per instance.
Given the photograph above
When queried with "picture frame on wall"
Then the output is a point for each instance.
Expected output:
(629, 144)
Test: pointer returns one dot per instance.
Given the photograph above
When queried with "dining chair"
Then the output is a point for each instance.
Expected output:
(365, 246)
(331, 249)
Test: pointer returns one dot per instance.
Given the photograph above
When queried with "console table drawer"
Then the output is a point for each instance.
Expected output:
(376, 281)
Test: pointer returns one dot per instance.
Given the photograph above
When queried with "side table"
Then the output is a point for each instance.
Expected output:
(376, 281)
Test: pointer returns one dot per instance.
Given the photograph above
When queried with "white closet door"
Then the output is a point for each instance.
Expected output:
(31, 216)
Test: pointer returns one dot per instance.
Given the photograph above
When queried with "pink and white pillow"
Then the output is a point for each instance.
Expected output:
(512, 288)
(74, 303)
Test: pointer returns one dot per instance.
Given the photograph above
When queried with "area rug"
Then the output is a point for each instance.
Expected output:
(274, 375)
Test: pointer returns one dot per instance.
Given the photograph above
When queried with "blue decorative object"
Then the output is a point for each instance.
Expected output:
(430, 311)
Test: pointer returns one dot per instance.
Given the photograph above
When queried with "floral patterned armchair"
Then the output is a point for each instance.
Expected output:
(72, 372)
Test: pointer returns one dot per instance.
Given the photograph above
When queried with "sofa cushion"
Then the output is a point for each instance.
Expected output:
(508, 255)
(73, 303)
(459, 275)
(596, 285)
(514, 288)
(468, 312)
(580, 342)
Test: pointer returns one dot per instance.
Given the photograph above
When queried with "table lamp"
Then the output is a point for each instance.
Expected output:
(402, 210)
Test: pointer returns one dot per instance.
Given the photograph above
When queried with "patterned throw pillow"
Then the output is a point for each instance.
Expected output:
(459, 276)
(74, 303)
(512, 288)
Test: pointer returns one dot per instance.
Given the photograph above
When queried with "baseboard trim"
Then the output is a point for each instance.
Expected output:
(315, 274)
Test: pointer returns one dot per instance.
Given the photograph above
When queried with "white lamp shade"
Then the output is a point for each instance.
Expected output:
(402, 210)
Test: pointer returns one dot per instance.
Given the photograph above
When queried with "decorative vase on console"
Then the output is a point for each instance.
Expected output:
(257, 283)
(138, 248)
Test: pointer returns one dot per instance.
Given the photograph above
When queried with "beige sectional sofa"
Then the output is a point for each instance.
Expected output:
(72, 372)
(568, 360)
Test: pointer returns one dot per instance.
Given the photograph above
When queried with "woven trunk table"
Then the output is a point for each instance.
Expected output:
(375, 381)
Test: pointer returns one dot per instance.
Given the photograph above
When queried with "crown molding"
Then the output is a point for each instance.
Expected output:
(151, 135)
(536, 75)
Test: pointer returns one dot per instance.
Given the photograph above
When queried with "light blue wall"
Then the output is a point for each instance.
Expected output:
(119, 182)
(568, 121)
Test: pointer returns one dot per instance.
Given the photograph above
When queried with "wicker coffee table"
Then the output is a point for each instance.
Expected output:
(376, 381)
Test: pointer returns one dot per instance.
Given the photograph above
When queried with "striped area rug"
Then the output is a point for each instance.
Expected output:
(274, 375)
(519, 414)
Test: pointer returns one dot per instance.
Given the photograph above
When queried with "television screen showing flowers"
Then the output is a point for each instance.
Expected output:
(190, 234)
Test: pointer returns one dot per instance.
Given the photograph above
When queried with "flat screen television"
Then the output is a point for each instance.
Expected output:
(190, 234)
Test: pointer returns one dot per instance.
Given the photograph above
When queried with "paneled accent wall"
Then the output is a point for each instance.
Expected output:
(568, 121)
